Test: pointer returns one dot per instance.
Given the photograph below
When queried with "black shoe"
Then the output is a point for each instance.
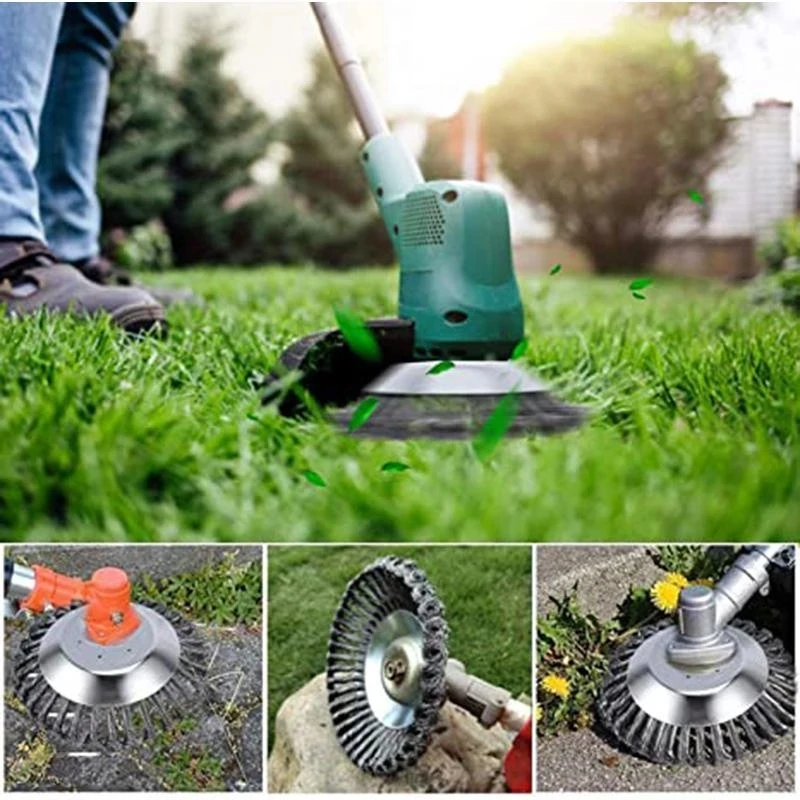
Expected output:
(31, 278)
(100, 270)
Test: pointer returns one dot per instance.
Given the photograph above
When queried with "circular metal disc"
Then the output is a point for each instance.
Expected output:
(109, 675)
(395, 706)
(707, 696)
(470, 378)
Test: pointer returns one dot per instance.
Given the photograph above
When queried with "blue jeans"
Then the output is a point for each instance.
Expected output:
(55, 60)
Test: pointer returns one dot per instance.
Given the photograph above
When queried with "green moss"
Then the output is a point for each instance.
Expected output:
(13, 702)
(30, 762)
(183, 766)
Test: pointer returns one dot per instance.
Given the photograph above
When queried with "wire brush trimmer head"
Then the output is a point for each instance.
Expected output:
(387, 656)
(388, 675)
(96, 669)
(708, 689)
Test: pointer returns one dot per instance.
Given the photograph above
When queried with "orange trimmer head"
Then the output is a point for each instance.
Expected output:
(96, 669)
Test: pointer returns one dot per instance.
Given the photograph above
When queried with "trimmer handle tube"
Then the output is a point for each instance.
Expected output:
(344, 56)
(746, 576)
(19, 580)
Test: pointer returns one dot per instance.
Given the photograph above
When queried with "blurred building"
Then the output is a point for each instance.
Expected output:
(755, 186)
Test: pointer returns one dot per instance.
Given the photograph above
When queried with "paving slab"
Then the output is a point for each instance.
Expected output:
(604, 575)
(583, 762)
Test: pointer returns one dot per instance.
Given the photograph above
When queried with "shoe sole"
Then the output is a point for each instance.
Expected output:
(141, 320)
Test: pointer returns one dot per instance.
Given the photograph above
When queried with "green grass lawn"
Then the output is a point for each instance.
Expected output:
(486, 592)
(694, 435)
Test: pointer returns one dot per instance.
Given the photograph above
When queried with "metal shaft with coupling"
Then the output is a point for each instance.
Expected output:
(705, 613)
(489, 704)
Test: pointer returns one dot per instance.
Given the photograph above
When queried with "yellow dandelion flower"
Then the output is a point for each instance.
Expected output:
(704, 582)
(665, 596)
(538, 713)
(555, 684)
(676, 579)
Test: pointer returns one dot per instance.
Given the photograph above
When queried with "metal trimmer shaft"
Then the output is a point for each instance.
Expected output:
(358, 88)
(705, 613)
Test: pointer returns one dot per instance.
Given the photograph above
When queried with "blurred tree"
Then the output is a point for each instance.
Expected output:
(341, 224)
(622, 127)
(435, 160)
(226, 135)
(141, 132)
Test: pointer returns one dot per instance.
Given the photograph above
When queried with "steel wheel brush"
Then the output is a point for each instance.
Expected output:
(388, 675)
(96, 669)
(458, 300)
(708, 689)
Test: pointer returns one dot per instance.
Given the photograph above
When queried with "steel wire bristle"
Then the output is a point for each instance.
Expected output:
(461, 416)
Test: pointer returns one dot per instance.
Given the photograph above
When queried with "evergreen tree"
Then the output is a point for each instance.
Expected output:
(226, 135)
(341, 223)
(141, 132)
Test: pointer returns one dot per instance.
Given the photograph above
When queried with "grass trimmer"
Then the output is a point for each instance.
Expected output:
(388, 675)
(709, 688)
(95, 669)
(459, 301)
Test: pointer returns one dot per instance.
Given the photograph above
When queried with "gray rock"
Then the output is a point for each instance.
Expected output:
(462, 757)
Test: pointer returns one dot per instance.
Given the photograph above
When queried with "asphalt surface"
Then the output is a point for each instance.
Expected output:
(603, 574)
(582, 761)
(229, 731)
(158, 561)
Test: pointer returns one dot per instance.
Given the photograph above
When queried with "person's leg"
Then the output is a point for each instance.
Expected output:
(71, 129)
(28, 35)
(71, 126)
(30, 277)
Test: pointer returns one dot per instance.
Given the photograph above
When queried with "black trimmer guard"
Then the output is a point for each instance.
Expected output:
(331, 374)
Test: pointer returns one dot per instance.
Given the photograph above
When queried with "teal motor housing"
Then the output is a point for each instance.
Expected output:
(453, 243)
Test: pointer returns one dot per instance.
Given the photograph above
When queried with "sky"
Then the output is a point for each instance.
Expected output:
(425, 55)
(440, 49)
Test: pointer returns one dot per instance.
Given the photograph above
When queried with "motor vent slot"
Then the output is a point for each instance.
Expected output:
(423, 221)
